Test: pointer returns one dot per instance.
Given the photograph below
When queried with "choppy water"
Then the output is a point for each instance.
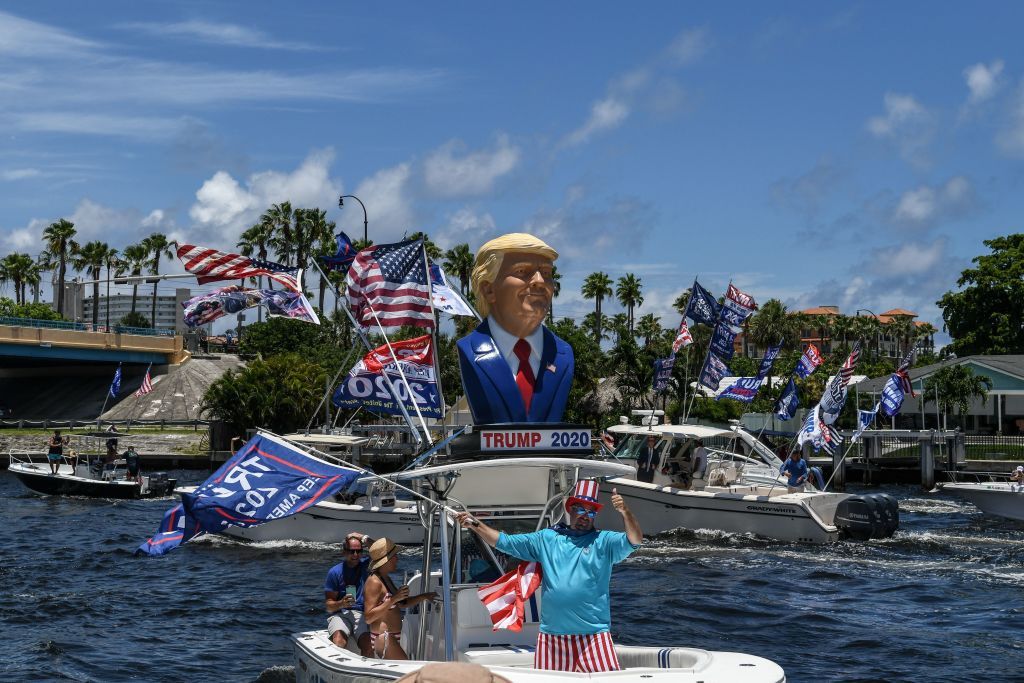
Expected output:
(941, 601)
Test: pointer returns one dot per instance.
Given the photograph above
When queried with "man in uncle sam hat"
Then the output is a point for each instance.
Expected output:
(513, 368)
(576, 563)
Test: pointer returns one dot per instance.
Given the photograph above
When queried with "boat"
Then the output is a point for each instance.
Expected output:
(515, 490)
(76, 477)
(999, 498)
(738, 491)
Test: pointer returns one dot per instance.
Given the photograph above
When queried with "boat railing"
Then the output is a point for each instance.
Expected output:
(970, 477)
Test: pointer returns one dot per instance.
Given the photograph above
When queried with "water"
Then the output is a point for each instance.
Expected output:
(941, 601)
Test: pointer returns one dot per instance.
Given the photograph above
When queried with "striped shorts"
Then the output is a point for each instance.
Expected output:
(588, 653)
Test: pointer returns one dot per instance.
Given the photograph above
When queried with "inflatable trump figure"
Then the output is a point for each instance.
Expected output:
(513, 368)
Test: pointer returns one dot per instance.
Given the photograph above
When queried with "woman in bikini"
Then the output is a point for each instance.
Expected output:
(384, 616)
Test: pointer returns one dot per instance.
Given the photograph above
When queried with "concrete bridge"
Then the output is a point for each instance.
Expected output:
(45, 342)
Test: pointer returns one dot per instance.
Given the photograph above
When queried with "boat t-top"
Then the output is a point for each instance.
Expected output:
(514, 489)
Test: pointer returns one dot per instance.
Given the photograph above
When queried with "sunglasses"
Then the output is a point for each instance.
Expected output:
(580, 510)
(354, 551)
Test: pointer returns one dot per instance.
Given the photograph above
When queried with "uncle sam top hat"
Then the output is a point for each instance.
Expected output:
(585, 493)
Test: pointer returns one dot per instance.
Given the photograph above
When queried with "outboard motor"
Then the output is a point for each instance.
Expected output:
(159, 484)
(856, 517)
(890, 511)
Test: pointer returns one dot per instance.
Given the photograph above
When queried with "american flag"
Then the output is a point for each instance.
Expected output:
(505, 598)
(846, 372)
(392, 279)
(210, 265)
(903, 372)
(683, 338)
(147, 384)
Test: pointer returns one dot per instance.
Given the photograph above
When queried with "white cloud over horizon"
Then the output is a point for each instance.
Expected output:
(472, 174)
(907, 125)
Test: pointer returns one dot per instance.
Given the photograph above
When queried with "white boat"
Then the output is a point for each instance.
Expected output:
(999, 498)
(738, 491)
(512, 494)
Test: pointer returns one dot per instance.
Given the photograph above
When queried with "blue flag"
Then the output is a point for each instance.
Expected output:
(444, 297)
(662, 372)
(344, 255)
(769, 357)
(702, 306)
(892, 395)
(743, 389)
(734, 313)
(115, 386)
(713, 371)
(267, 479)
(789, 401)
(370, 381)
(722, 341)
(864, 420)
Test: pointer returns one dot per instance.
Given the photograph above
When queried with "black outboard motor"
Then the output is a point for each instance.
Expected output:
(159, 484)
(871, 515)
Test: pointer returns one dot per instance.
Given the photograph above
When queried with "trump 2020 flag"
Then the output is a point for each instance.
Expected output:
(743, 389)
(663, 372)
(892, 395)
(864, 420)
(445, 298)
(344, 254)
(785, 409)
(115, 386)
(267, 479)
(769, 357)
(702, 307)
(722, 341)
(713, 371)
(368, 383)
(808, 362)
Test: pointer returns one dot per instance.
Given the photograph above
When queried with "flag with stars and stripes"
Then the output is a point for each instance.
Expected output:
(210, 265)
(834, 396)
(683, 337)
(391, 281)
(147, 384)
(903, 371)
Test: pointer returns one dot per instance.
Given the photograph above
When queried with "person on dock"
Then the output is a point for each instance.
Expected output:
(647, 461)
(576, 562)
(343, 595)
(796, 468)
(385, 616)
(514, 369)
(55, 450)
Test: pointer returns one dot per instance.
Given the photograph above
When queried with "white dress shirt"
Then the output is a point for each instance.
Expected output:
(506, 342)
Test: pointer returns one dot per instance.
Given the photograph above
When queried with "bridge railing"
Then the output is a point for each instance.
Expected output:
(83, 327)
(102, 424)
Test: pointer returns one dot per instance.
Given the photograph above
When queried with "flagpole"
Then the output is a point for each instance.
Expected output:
(366, 342)
(710, 340)
(106, 398)
(341, 368)
(433, 341)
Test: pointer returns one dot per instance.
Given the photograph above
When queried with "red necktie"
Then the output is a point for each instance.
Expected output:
(524, 376)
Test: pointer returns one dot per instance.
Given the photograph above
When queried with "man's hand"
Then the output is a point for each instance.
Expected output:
(466, 520)
(618, 503)
(348, 601)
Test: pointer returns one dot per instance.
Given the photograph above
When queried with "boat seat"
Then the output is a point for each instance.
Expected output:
(633, 657)
(501, 655)
(473, 623)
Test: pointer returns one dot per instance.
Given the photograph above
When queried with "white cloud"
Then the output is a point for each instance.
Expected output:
(386, 195)
(141, 127)
(604, 114)
(228, 207)
(465, 225)
(19, 174)
(216, 33)
(472, 174)
(926, 205)
(983, 81)
(907, 125)
(689, 46)
(25, 38)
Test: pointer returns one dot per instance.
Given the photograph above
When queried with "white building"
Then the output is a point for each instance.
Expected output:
(168, 308)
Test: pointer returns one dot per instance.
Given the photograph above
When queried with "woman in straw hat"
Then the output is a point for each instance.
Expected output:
(384, 602)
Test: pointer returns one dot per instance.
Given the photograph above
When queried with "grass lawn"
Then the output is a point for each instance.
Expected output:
(38, 431)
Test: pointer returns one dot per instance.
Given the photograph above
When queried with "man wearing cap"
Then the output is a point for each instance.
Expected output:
(576, 565)
(343, 596)
(1018, 476)
(513, 368)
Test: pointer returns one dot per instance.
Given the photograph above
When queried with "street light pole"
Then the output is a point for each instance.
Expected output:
(878, 350)
(341, 204)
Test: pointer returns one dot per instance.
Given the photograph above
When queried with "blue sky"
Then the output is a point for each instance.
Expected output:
(853, 155)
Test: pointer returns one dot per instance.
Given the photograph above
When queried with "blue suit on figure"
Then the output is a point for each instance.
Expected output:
(490, 383)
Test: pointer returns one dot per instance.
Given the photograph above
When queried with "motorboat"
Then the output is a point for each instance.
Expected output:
(515, 490)
(737, 490)
(97, 479)
(999, 498)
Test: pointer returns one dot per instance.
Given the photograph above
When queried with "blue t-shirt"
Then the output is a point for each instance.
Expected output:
(341, 575)
(576, 573)
(796, 469)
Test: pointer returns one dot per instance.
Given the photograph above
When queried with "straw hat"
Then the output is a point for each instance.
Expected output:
(382, 550)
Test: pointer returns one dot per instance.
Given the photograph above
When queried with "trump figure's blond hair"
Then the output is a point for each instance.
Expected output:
(491, 254)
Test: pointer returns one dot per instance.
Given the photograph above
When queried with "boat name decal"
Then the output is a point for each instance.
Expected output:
(769, 508)
(534, 439)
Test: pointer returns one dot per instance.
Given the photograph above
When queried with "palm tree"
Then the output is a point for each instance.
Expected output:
(157, 245)
(321, 234)
(619, 325)
(434, 252)
(556, 284)
(113, 263)
(280, 216)
(590, 322)
(681, 302)
(256, 240)
(458, 261)
(628, 292)
(842, 326)
(17, 269)
(649, 327)
(902, 329)
(44, 264)
(597, 286)
(60, 244)
(771, 325)
(133, 260)
(955, 386)
(92, 257)
(868, 327)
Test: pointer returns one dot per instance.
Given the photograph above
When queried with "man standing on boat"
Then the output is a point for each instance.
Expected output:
(513, 368)
(647, 461)
(343, 596)
(796, 468)
(576, 563)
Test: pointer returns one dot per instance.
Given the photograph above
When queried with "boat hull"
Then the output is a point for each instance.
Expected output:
(330, 522)
(999, 499)
(663, 508)
(38, 478)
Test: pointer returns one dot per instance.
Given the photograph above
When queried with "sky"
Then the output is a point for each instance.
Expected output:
(821, 153)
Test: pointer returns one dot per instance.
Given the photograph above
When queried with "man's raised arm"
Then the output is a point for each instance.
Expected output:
(486, 533)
